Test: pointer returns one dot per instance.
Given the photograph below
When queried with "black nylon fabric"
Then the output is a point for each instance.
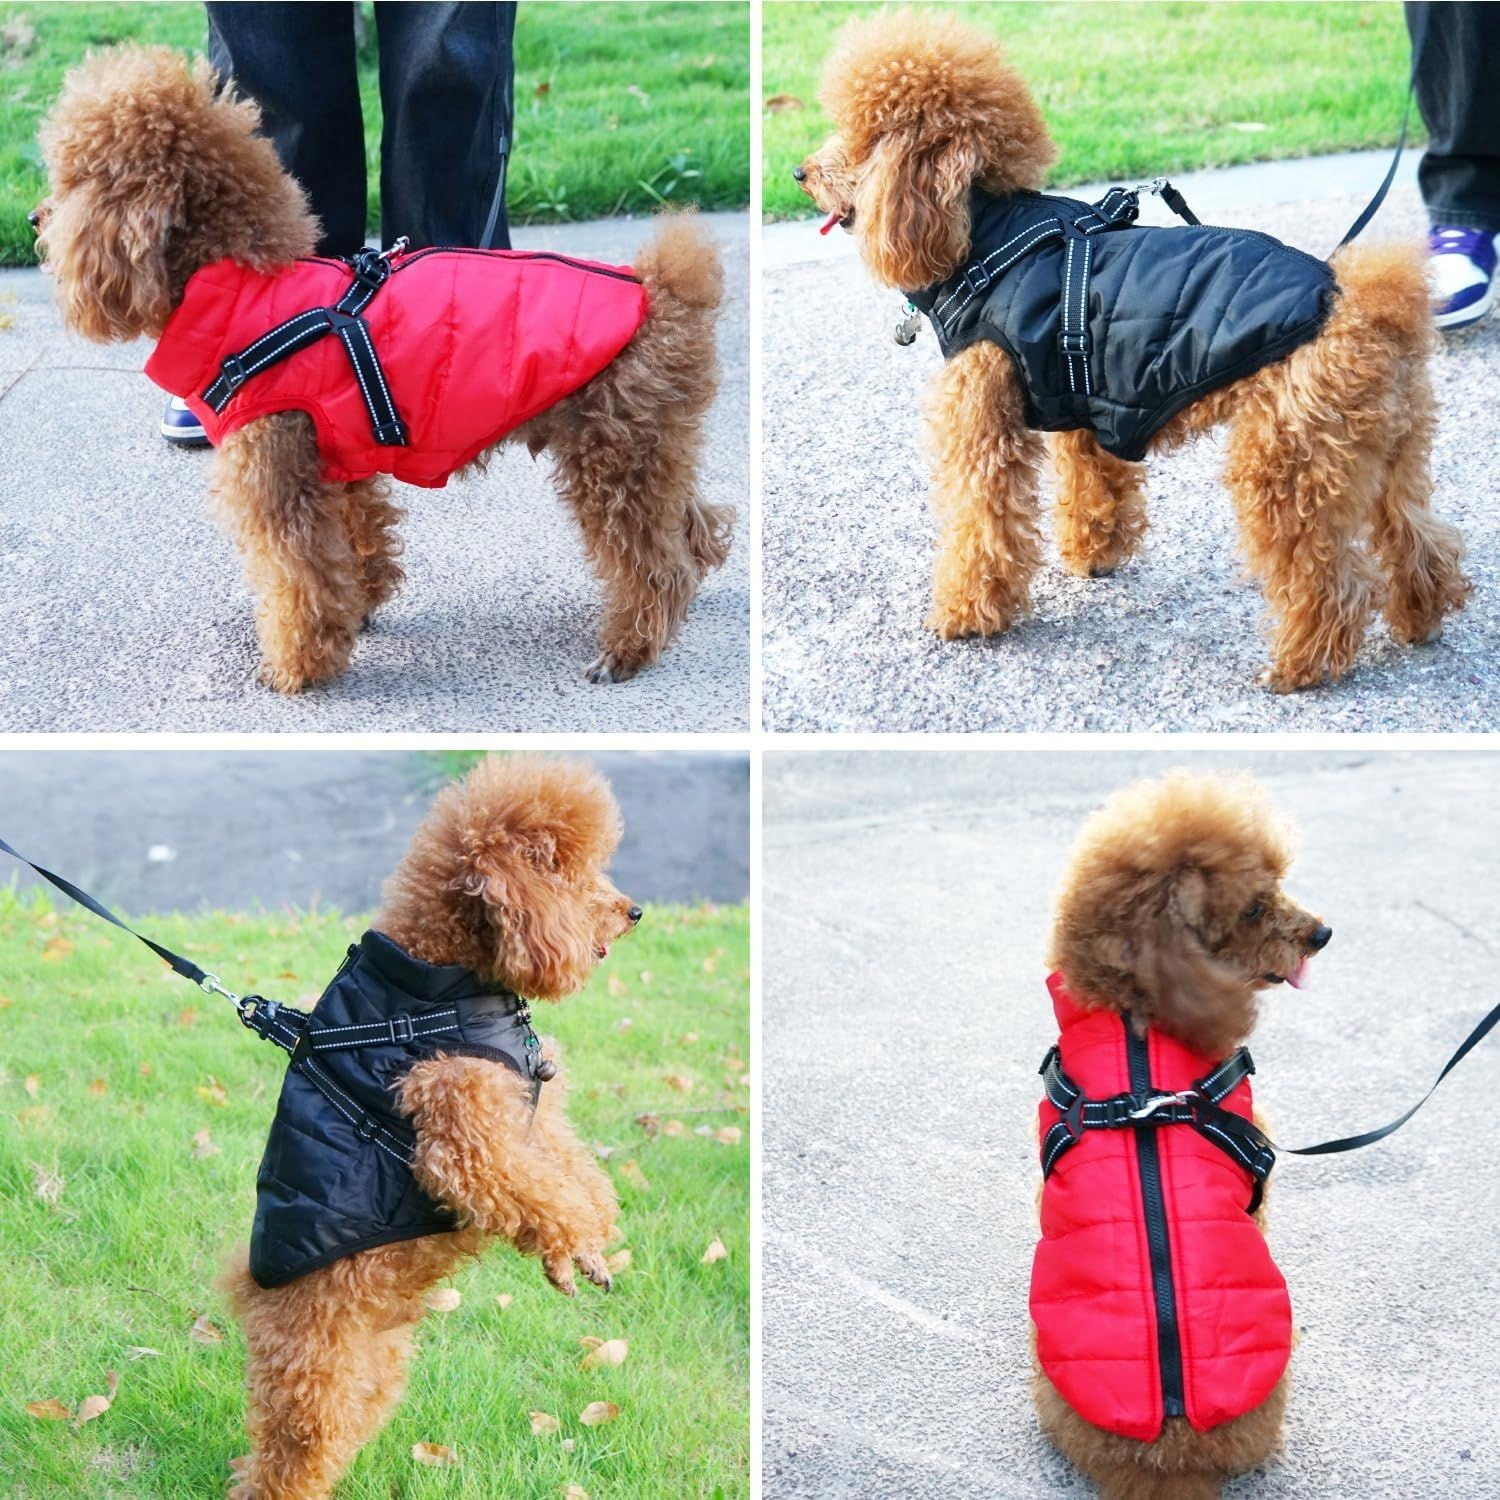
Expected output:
(324, 1190)
(1171, 313)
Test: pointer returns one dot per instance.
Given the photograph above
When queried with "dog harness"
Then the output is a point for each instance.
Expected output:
(1116, 327)
(1152, 1290)
(436, 354)
(336, 1177)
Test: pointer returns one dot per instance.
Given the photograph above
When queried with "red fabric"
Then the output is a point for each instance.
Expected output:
(1091, 1294)
(473, 343)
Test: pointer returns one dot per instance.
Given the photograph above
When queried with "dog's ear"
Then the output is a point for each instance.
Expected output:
(911, 207)
(1192, 996)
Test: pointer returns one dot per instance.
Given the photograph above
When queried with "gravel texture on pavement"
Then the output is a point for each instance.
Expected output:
(906, 908)
(122, 605)
(1174, 640)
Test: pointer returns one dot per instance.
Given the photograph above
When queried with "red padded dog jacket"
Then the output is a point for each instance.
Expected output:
(1152, 1290)
(455, 348)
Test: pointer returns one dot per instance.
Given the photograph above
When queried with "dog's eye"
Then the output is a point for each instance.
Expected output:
(1255, 911)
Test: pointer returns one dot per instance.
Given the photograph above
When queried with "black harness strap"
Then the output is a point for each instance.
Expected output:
(370, 270)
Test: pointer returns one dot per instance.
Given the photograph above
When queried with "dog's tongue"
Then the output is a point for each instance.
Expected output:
(1298, 977)
(830, 221)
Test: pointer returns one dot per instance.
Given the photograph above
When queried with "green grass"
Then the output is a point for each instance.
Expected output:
(128, 1253)
(1132, 90)
(586, 144)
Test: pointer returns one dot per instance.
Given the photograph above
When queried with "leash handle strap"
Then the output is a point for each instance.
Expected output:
(178, 964)
(1369, 1137)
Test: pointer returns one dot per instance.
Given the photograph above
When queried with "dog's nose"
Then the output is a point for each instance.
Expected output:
(635, 914)
(799, 174)
(34, 218)
(1318, 938)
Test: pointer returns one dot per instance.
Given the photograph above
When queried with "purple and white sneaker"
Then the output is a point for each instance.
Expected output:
(1463, 271)
(180, 427)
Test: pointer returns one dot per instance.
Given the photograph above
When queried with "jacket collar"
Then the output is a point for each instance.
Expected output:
(424, 981)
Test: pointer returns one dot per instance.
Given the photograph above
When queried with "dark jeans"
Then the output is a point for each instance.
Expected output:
(447, 78)
(1457, 63)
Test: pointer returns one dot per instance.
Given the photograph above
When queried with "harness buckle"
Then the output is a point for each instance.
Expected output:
(400, 1028)
(233, 372)
(976, 278)
(366, 1129)
(1157, 1102)
(1074, 343)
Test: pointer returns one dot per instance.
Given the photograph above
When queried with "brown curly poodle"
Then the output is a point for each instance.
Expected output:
(1172, 912)
(155, 173)
(1328, 447)
(506, 877)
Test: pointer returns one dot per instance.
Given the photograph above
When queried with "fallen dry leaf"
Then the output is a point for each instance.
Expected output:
(543, 89)
(47, 1186)
(597, 1413)
(604, 1352)
(617, 1262)
(543, 1423)
(213, 1093)
(674, 1127)
(651, 1124)
(709, 965)
(434, 1455)
(188, 1017)
(689, 1038)
(574, 1492)
(5, 1000)
(444, 1299)
(646, 976)
(141, 1351)
(56, 948)
(631, 1172)
(504, 1300)
(729, 1135)
(33, 1084)
(780, 104)
(98, 1087)
(96, 1406)
(203, 1145)
(715, 1251)
(205, 1332)
(681, 1082)
(50, 1410)
(145, 1070)
(568, 1445)
(34, 1114)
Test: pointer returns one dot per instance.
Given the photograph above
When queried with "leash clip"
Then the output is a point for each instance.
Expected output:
(400, 247)
(1156, 1102)
(908, 327)
(1157, 185)
(210, 985)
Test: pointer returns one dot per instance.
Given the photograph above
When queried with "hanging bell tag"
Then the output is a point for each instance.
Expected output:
(546, 1070)
(906, 329)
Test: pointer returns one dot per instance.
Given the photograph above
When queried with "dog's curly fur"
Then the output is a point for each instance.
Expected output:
(1328, 448)
(1172, 909)
(506, 876)
(155, 172)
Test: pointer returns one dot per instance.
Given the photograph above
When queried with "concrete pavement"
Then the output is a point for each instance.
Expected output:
(906, 909)
(1173, 641)
(232, 829)
(122, 608)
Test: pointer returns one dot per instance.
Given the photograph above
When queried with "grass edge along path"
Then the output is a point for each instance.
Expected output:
(133, 1111)
(1134, 90)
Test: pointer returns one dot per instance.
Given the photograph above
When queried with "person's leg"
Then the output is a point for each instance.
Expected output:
(1457, 68)
(446, 88)
(297, 63)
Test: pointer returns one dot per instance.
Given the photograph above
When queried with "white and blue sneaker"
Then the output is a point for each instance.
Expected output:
(181, 427)
(1463, 271)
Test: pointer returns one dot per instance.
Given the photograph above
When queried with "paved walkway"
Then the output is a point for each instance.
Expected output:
(1173, 641)
(168, 830)
(904, 1018)
(121, 605)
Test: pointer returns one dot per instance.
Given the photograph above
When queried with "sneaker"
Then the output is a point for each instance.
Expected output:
(1463, 268)
(181, 428)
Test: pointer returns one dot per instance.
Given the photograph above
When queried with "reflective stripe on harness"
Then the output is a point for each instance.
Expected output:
(371, 269)
(1198, 1106)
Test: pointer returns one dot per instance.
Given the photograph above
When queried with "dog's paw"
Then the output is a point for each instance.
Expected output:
(591, 1263)
(613, 666)
(558, 1266)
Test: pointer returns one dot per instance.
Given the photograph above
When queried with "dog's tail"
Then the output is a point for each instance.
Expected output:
(682, 259)
(1388, 283)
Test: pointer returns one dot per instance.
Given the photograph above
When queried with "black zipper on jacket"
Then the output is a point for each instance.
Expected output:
(1168, 1345)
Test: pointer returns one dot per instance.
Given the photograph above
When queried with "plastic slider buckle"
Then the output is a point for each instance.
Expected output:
(1074, 343)
(401, 1030)
(233, 372)
(976, 278)
(1117, 1111)
(390, 435)
(366, 1129)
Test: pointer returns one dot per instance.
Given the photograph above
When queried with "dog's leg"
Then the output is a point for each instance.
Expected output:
(294, 537)
(1101, 505)
(1420, 554)
(1303, 494)
(480, 1151)
(373, 524)
(984, 494)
